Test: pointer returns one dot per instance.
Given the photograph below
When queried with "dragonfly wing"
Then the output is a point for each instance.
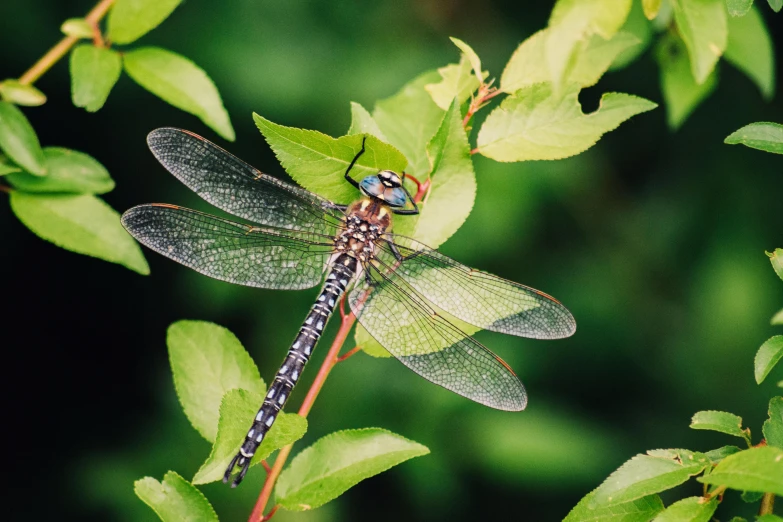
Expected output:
(479, 298)
(424, 341)
(242, 254)
(232, 185)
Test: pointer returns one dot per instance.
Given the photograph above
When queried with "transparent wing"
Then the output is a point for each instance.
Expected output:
(424, 341)
(243, 254)
(232, 185)
(479, 298)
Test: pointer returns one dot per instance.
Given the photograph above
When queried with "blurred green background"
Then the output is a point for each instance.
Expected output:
(653, 239)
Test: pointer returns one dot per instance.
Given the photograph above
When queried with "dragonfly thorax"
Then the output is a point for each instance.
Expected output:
(365, 221)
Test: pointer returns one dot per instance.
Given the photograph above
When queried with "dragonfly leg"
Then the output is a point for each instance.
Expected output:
(348, 178)
(408, 212)
(398, 255)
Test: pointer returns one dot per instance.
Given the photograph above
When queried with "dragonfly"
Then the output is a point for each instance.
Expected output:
(405, 294)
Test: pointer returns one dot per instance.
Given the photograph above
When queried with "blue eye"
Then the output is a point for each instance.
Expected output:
(396, 197)
(371, 186)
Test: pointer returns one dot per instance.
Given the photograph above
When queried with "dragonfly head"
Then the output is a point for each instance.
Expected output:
(386, 186)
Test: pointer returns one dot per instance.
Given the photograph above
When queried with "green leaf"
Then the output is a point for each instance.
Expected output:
(647, 474)
(680, 91)
(750, 50)
(339, 461)
(409, 119)
(719, 454)
(470, 54)
(362, 122)
(637, 25)
(639, 510)
(21, 94)
(767, 357)
(129, 20)
(751, 496)
(536, 124)
(94, 71)
(776, 5)
(237, 411)
(68, 171)
(180, 82)
(651, 8)
(738, 8)
(737, 519)
(773, 427)
(754, 469)
(77, 27)
(6, 167)
(691, 509)
(318, 162)
(175, 499)
(368, 344)
(571, 24)
(777, 319)
(761, 135)
(18, 140)
(207, 360)
(776, 258)
(527, 65)
(457, 81)
(721, 421)
(702, 25)
(79, 223)
(769, 518)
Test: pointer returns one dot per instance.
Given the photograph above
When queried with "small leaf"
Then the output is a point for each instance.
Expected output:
(646, 474)
(339, 461)
(639, 510)
(776, 5)
(94, 71)
(738, 8)
(237, 411)
(18, 140)
(21, 93)
(767, 357)
(773, 427)
(409, 119)
(536, 124)
(368, 343)
(651, 8)
(457, 81)
(129, 20)
(776, 320)
(638, 26)
(750, 50)
(68, 171)
(79, 223)
(719, 454)
(680, 91)
(180, 82)
(318, 162)
(470, 54)
(207, 360)
(754, 469)
(175, 499)
(362, 122)
(769, 518)
(751, 497)
(703, 26)
(691, 509)
(77, 27)
(776, 258)
(721, 421)
(6, 167)
(761, 135)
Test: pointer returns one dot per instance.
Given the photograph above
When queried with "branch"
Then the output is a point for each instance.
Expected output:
(767, 504)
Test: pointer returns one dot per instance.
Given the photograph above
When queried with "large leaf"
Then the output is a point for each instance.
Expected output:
(750, 50)
(94, 71)
(175, 499)
(180, 82)
(721, 421)
(755, 469)
(536, 124)
(131, 19)
(767, 357)
(338, 462)
(318, 162)
(79, 223)
(773, 427)
(362, 122)
(639, 510)
(67, 171)
(208, 360)
(409, 119)
(571, 24)
(738, 8)
(237, 411)
(702, 25)
(680, 91)
(691, 509)
(763, 135)
(645, 475)
(527, 65)
(18, 140)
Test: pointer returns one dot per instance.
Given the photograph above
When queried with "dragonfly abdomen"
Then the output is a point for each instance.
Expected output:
(343, 270)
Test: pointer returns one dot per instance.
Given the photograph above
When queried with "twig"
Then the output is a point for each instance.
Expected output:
(349, 353)
(767, 504)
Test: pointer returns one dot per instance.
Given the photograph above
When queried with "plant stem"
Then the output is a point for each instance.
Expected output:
(767, 504)
(331, 359)
(63, 46)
